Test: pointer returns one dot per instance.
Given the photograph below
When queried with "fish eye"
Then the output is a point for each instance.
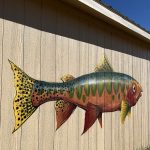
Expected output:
(134, 88)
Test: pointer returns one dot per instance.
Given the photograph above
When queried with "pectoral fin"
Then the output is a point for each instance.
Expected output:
(129, 112)
(125, 109)
(91, 115)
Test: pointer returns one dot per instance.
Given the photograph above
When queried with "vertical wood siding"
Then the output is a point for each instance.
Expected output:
(48, 39)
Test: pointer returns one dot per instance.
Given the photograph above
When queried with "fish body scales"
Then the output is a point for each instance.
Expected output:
(100, 87)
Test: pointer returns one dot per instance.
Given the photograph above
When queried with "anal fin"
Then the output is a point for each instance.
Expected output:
(91, 115)
(100, 119)
(63, 111)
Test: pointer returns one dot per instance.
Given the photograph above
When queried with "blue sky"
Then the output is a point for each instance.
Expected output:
(136, 10)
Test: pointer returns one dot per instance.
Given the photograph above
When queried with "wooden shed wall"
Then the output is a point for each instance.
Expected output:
(48, 39)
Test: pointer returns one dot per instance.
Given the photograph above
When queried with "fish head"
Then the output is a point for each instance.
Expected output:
(134, 92)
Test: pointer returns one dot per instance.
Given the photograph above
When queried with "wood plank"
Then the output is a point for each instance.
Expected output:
(83, 69)
(1, 60)
(74, 126)
(61, 139)
(130, 119)
(13, 50)
(100, 54)
(1, 49)
(32, 67)
(74, 64)
(144, 99)
(148, 89)
(115, 115)
(108, 116)
(137, 110)
(121, 63)
(127, 69)
(61, 69)
(32, 64)
(92, 142)
(47, 112)
(48, 73)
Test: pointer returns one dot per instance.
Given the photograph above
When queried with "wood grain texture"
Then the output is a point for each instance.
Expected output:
(10, 45)
(48, 39)
(48, 73)
(1, 62)
(131, 118)
(30, 130)
(92, 63)
(84, 69)
(32, 64)
(12, 48)
(108, 116)
(136, 112)
(121, 63)
(74, 126)
(115, 115)
(144, 100)
(148, 98)
(100, 131)
(61, 69)
(128, 61)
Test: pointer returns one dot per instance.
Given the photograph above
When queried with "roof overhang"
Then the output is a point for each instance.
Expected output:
(110, 17)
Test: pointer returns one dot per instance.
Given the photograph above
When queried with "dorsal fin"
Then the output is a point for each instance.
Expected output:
(67, 77)
(104, 65)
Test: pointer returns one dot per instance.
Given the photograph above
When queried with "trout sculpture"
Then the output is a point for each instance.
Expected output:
(101, 91)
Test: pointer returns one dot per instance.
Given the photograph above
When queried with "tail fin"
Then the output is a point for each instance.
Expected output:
(22, 104)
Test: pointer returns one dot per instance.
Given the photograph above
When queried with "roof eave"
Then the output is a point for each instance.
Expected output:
(110, 17)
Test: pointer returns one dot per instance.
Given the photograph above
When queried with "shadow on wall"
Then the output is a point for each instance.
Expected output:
(59, 18)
